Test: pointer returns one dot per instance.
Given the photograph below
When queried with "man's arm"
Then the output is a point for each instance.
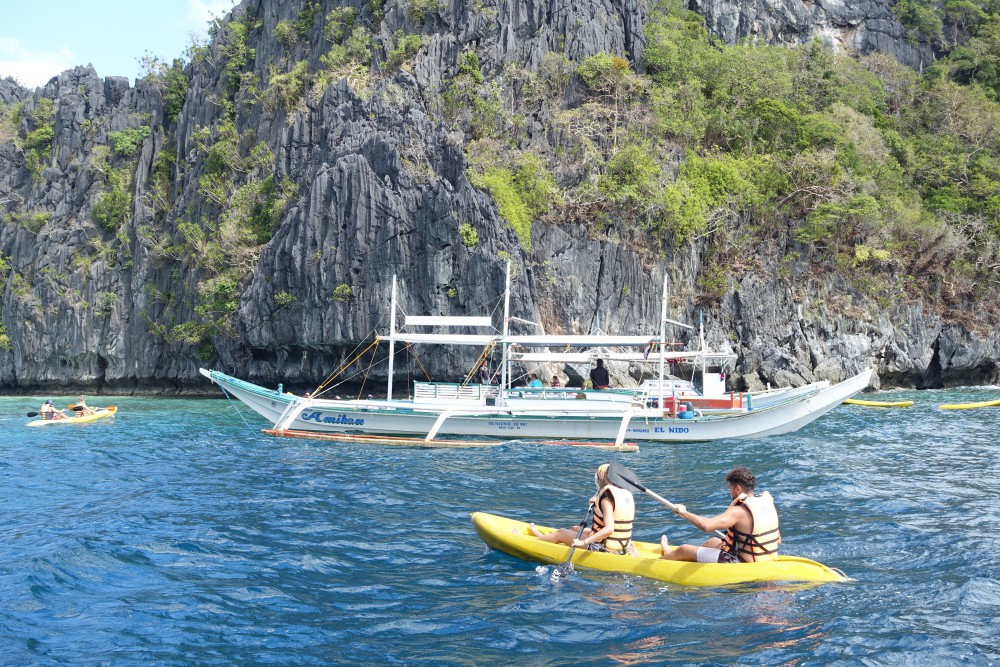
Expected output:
(722, 521)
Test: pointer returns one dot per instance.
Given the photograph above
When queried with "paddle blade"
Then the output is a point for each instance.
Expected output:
(621, 476)
(32, 414)
(76, 408)
(562, 571)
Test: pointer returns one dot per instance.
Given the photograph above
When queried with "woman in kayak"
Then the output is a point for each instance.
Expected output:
(614, 511)
(750, 522)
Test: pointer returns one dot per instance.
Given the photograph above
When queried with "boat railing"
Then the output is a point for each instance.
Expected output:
(452, 392)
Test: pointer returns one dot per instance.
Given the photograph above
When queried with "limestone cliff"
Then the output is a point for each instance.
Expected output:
(860, 27)
(125, 267)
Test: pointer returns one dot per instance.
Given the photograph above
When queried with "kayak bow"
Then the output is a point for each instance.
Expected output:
(513, 538)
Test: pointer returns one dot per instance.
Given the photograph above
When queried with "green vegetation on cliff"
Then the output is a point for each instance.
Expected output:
(770, 156)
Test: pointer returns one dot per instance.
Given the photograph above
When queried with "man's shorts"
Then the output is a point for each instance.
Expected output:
(711, 555)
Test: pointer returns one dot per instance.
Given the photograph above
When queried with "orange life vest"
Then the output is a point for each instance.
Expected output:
(761, 543)
(624, 514)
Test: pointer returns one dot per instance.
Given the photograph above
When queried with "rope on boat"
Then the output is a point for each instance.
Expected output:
(866, 423)
(333, 376)
(236, 407)
(371, 363)
(413, 355)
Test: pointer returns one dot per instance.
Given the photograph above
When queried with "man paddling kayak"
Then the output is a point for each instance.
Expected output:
(614, 511)
(750, 522)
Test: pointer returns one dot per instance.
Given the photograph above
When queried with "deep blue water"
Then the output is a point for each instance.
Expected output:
(178, 535)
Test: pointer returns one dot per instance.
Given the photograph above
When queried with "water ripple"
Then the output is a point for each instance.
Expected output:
(176, 536)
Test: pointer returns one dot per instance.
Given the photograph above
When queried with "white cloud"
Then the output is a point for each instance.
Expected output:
(201, 12)
(32, 68)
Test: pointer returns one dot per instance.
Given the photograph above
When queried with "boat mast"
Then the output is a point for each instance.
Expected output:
(663, 339)
(701, 328)
(392, 338)
(505, 362)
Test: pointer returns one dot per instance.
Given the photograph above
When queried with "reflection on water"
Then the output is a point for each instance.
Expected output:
(175, 535)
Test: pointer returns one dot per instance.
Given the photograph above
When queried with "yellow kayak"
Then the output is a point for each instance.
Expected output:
(879, 404)
(100, 413)
(513, 537)
(969, 406)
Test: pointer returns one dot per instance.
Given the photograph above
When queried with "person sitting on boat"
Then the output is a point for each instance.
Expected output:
(82, 408)
(555, 381)
(535, 382)
(611, 531)
(750, 522)
(49, 411)
(599, 377)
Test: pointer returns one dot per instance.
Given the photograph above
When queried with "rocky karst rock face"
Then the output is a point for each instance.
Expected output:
(381, 189)
(852, 27)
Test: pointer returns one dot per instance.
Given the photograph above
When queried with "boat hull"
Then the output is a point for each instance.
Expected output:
(102, 413)
(513, 538)
(405, 418)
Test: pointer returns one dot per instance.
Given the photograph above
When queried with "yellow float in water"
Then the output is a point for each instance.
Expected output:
(880, 404)
(513, 537)
(970, 406)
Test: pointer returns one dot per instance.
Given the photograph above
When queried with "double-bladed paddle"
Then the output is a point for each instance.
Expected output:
(621, 476)
(75, 408)
(562, 570)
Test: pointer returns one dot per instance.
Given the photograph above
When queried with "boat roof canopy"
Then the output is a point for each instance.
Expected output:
(445, 339)
(447, 321)
(582, 340)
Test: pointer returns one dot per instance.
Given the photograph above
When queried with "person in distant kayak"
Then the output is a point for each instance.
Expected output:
(82, 408)
(48, 411)
(750, 522)
(599, 376)
(611, 531)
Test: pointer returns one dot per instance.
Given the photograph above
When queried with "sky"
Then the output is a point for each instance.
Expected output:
(39, 38)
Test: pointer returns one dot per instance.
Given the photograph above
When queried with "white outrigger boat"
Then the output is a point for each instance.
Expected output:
(478, 411)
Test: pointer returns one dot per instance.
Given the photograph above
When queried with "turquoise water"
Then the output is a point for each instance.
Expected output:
(178, 535)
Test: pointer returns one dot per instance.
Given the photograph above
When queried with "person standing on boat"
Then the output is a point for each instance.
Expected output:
(599, 376)
(611, 531)
(750, 522)
(48, 411)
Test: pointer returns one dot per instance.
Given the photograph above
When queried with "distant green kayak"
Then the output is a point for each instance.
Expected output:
(100, 413)
(513, 537)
